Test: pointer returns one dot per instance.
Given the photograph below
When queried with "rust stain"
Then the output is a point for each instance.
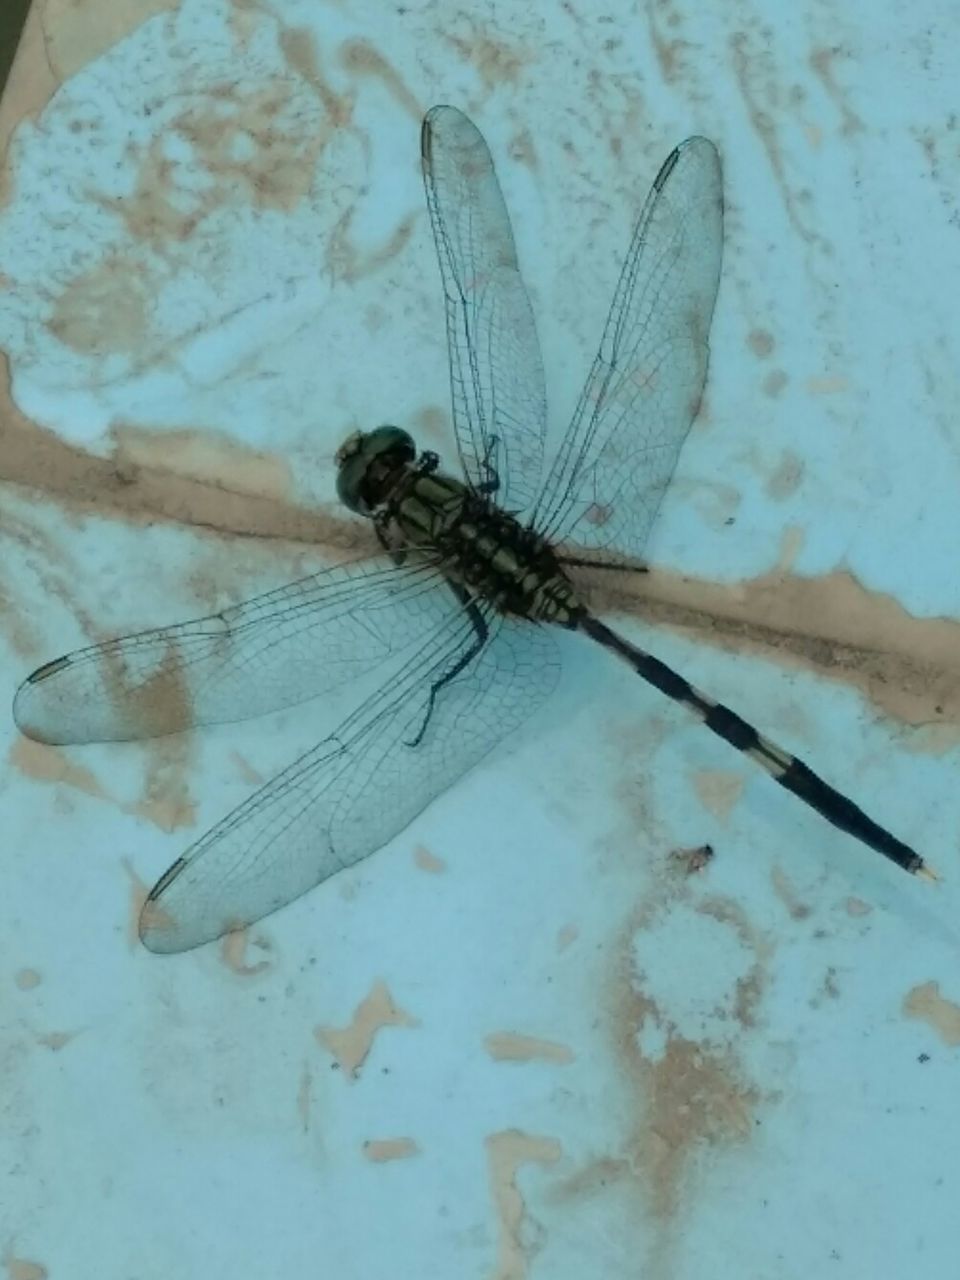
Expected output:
(304, 1096)
(55, 1040)
(857, 907)
(785, 479)
(522, 149)
(760, 342)
(828, 385)
(300, 50)
(669, 50)
(246, 770)
(346, 262)
(233, 953)
(567, 934)
(928, 1005)
(246, 141)
(23, 1269)
(380, 1150)
(27, 979)
(350, 1045)
(685, 1065)
(166, 801)
(497, 62)
(761, 87)
(511, 1046)
(363, 59)
(48, 764)
(788, 895)
(428, 861)
(822, 60)
(718, 790)
(506, 1152)
(105, 309)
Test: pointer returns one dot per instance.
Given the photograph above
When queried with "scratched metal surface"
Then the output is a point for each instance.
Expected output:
(526, 1039)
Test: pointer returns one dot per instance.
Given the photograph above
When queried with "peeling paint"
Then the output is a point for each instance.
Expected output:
(510, 1046)
(350, 1045)
(926, 1004)
(382, 1150)
(507, 1152)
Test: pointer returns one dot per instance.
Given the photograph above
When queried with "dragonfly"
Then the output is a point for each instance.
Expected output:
(454, 620)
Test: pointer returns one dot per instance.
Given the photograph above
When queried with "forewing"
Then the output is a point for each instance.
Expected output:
(496, 370)
(644, 389)
(278, 649)
(358, 788)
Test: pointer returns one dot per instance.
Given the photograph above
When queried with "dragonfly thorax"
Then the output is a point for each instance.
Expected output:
(482, 548)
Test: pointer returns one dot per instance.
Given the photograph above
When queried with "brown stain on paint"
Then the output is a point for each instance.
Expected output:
(785, 891)
(48, 764)
(56, 1040)
(511, 1046)
(760, 342)
(828, 385)
(300, 50)
(856, 907)
(347, 263)
(243, 143)
(351, 1045)
(23, 1268)
(566, 935)
(497, 62)
(774, 383)
(428, 861)
(233, 953)
(104, 309)
(785, 479)
(926, 1004)
(691, 1095)
(362, 59)
(822, 61)
(507, 1152)
(718, 790)
(27, 979)
(304, 1097)
(382, 1150)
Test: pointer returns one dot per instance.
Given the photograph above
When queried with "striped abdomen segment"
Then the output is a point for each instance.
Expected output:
(783, 767)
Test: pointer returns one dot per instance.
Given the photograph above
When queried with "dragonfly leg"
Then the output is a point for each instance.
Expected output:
(492, 483)
(481, 631)
(580, 562)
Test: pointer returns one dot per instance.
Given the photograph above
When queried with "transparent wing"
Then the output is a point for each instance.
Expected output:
(644, 389)
(496, 371)
(278, 649)
(358, 788)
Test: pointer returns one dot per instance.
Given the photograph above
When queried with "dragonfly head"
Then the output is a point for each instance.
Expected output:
(370, 464)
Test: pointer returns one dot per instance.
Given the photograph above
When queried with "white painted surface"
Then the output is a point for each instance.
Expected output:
(737, 1088)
